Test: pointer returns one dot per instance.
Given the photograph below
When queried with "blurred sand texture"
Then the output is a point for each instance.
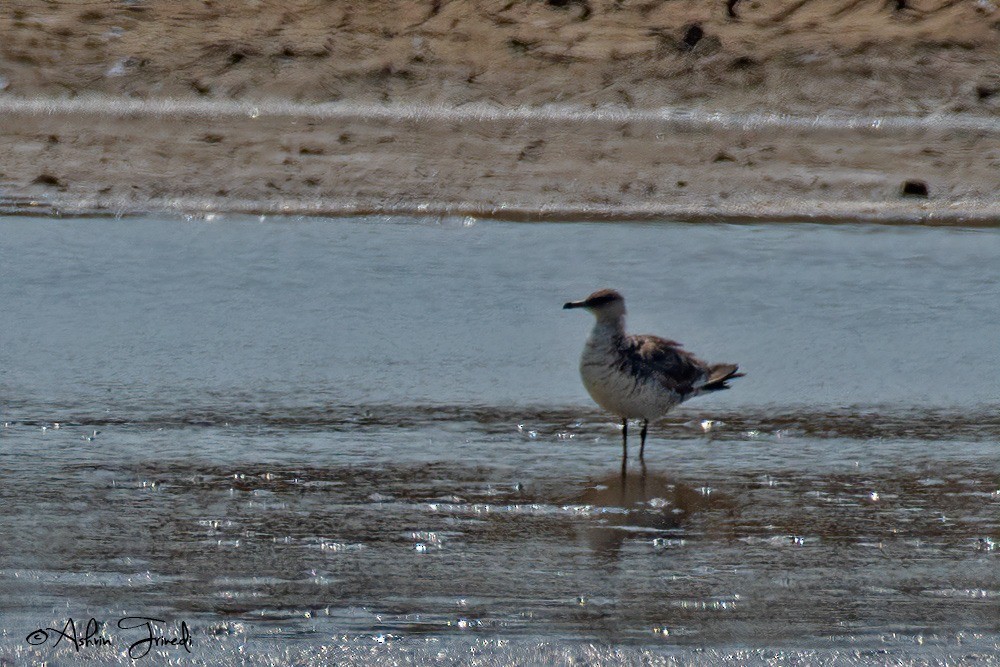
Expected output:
(936, 62)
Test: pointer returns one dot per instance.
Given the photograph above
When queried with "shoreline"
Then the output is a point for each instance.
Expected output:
(113, 156)
(799, 212)
(676, 117)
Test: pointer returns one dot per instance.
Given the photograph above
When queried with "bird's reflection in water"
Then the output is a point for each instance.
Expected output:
(643, 503)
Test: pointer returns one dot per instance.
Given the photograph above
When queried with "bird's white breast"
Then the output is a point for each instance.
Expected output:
(614, 388)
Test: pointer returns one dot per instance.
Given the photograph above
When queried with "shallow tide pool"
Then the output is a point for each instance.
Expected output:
(366, 440)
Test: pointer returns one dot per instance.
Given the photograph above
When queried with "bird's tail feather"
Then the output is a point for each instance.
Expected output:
(719, 374)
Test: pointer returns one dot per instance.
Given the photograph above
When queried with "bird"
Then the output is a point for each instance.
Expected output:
(640, 376)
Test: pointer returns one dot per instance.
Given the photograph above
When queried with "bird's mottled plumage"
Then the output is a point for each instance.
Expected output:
(640, 377)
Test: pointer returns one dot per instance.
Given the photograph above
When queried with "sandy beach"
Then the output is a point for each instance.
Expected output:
(535, 110)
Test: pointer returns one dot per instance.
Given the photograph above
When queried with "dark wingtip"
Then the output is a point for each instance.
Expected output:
(724, 372)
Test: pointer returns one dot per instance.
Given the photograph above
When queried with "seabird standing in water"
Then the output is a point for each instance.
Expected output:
(640, 377)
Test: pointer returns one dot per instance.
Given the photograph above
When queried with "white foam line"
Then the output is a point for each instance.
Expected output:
(969, 212)
(480, 112)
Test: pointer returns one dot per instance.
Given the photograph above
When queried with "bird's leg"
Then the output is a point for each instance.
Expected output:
(624, 438)
(642, 438)
(624, 451)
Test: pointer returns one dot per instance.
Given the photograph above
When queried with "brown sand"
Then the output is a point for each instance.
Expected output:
(856, 59)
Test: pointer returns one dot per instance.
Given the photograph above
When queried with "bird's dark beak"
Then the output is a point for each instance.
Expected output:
(573, 304)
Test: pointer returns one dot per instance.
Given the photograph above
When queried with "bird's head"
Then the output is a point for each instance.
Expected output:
(604, 304)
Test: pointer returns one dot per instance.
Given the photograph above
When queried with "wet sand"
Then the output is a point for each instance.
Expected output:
(558, 110)
(102, 156)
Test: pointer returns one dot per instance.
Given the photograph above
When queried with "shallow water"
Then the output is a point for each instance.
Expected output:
(339, 435)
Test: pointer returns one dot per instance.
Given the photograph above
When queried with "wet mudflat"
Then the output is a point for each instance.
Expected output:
(367, 441)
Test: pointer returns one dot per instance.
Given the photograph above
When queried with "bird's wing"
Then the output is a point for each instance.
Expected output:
(676, 369)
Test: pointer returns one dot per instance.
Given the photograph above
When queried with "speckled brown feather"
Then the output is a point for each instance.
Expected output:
(657, 358)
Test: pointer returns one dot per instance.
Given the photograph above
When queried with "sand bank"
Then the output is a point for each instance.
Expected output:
(108, 157)
(537, 110)
(910, 56)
